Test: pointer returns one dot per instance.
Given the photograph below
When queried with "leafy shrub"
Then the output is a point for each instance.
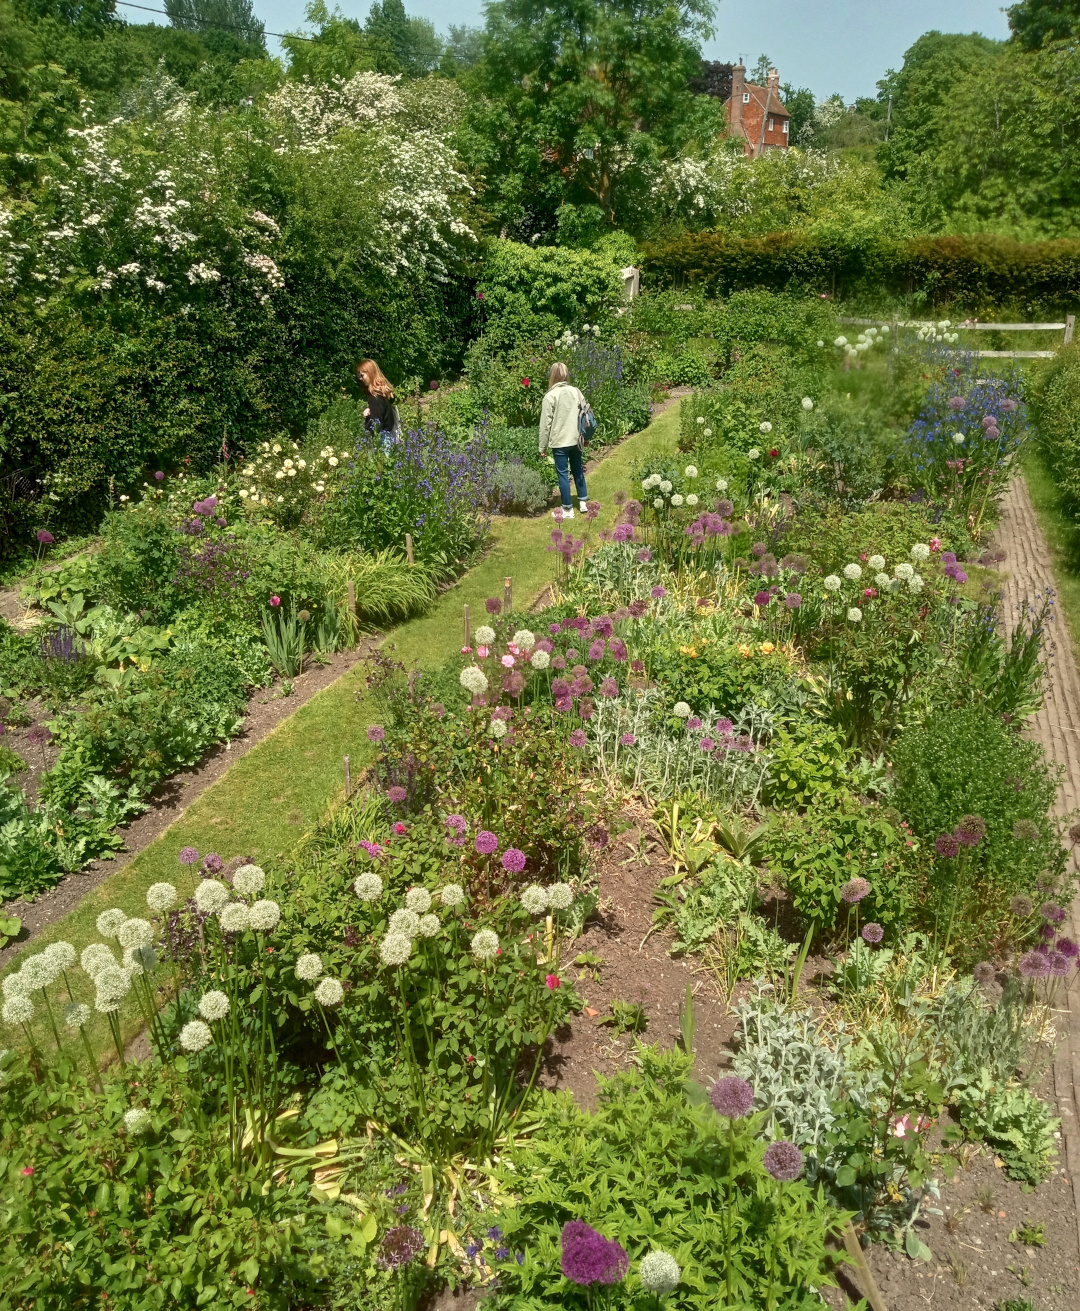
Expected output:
(1055, 411)
(687, 368)
(659, 1175)
(968, 762)
(519, 490)
(833, 537)
(712, 673)
(821, 851)
(1017, 1124)
(138, 561)
(807, 766)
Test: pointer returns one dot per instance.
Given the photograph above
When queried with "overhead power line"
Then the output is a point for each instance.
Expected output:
(209, 22)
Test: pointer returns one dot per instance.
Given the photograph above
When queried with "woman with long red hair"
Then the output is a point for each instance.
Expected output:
(380, 413)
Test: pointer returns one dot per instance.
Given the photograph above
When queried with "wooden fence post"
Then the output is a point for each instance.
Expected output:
(508, 594)
(1070, 325)
(409, 548)
(348, 780)
(468, 628)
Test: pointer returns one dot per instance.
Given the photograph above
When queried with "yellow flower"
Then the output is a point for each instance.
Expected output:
(745, 651)
(767, 648)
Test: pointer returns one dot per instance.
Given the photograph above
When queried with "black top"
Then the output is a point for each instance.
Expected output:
(383, 412)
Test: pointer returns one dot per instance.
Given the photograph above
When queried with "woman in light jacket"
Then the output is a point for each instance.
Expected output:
(559, 435)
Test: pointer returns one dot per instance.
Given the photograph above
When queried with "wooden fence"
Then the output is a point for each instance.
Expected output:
(1066, 327)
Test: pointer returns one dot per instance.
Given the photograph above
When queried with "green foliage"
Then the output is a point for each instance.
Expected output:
(713, 674)
(520, 490)
(1015, 1123)
(807, 766)
(654, 1167)
(968, 762)
(830, 845)
(1055, 413)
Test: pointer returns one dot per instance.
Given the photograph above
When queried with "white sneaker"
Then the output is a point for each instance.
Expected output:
(583, 507)
(566, 514)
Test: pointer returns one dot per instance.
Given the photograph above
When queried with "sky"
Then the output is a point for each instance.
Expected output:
(830, 46)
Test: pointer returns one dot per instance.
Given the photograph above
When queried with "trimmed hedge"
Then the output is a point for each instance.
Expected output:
(975, 273)
(1054, 409)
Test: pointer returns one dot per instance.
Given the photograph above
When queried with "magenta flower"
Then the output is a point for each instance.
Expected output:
(783, 1160)
(707, 744)
(159, 476)
(947, 846)
(456, 822)
(45, 537)
(854, 890)
(1033, 965)
(1058, 964)
(732, 1097)
(644, 555)
(188, 856)
(956, 403)
(493, 605)
(577, 738)
(513, 860)
(609, 687)
(658, 592)
(554, 629)
(1067, 947)
(486, 843)
(693, 722)
(396, 794)
(872, 933)
(212, 863)
(596, 651)
(1051, 911)
(589, 1257)
(762, 598)
(275, 601)
(627, 740)
(793, 600)
(376, 733)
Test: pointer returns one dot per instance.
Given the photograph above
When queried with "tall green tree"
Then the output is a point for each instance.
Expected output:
(1035, 23)
(402, 44)
(235, 16)
(583, 98)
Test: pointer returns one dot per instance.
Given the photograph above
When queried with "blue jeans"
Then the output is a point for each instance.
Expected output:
(567, 461)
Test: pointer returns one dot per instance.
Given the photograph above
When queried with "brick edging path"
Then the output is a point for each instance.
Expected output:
(1028, 574)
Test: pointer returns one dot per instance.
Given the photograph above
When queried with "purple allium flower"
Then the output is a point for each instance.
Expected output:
(188, 856)
(947, 846)
(212, 863)
(486, 843)
(396, 794)
(589, 1257)
(1033, 965)
(732, 1096)
(1047, 932)
(617, 650)
(399, 1247)
(513, 860)
(1074, 833)
(725, 727)
(577, 738)
(376, 733)
(1021, 907)
(872, 933)
(793, 600)
(854, 890)
(658, 592)
(1067, 948)
(1051, 911)
(759, 549)
(707, 744)
(456, 822)
(159, 476)
(609, 687)
(1058, 964)
(984, 972)
(45, 537)
(627, 740)
(762, 598)
(493, 605)
(644, 555)
(783, 1160)
(596, 651)
(956, 403)
(970, 831)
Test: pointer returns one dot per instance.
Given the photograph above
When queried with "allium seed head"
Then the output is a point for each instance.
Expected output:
(732, 1097)
(329, 992)
(195, 1036)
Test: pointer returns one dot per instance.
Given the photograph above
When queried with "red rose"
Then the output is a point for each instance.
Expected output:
(525, 382)
(773, 453)
(553, 981)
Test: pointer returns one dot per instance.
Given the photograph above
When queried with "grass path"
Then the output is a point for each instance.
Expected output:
(1062, 534)
(264, 802)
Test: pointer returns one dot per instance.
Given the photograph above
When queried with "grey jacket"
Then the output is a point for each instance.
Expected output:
(559, 417)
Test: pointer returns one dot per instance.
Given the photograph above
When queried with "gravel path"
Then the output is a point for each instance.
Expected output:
(1057, 728)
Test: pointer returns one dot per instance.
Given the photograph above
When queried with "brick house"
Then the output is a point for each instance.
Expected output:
(755, 113)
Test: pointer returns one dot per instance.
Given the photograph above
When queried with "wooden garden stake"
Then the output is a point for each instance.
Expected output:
(857, 1258)
(408, 548)
(348, 780)
(468, 628)
(508, 594)
(354, 620)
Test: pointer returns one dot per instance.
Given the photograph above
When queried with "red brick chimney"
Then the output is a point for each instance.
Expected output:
(738, 88)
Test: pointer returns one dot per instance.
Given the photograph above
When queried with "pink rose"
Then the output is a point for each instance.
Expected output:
(935, 543)
(507, 662)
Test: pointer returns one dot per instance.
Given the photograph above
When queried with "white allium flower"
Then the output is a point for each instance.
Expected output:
(721, 484)
(659, 1273)
(95, 958)
(14, 985)
(235, 918)
(248, 880)
(882, 580)
(485, 635)
(137, 1121)
(840, 341)
(109, 921)
(368, 887)
(498, 728)
(691, 499)
(452, 894)
(429, 925)
(524, 640)
(707, 432)
(654, 480)
(139, 960)
(535, 899)
(211, 896)
(677, 500)
(113, 985)
(418, 900)
(38, 972)
(807, 403)
(213, 1005)
(852, 572)
(765, 427)
(691, 471)
(855, 615)
(658, 503)
(264, 916)
(958, 438)
(308, 967)
(77, 1014)
(646, 484)
(560, 896)
(485, 943)
(473, 680)
(404, 921)
(753, 453)
(680, 710)
(195, 1036)
(329, 992)
(915, 583)
(665, 486)
(820, 344)
(876, 563)
(161, 897)
(395, 949)
(135, 933)
(904, 571)
(832, 583)
(18, 1010)
(540, 660)
(62, 956)
(920, 551)
(700, 419)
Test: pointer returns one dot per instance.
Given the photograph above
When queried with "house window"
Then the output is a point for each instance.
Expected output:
(786, 126)
(746, 97)
(771, 125)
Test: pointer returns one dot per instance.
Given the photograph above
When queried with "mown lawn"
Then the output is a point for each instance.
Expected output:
(1062, 535)
(263, 803)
